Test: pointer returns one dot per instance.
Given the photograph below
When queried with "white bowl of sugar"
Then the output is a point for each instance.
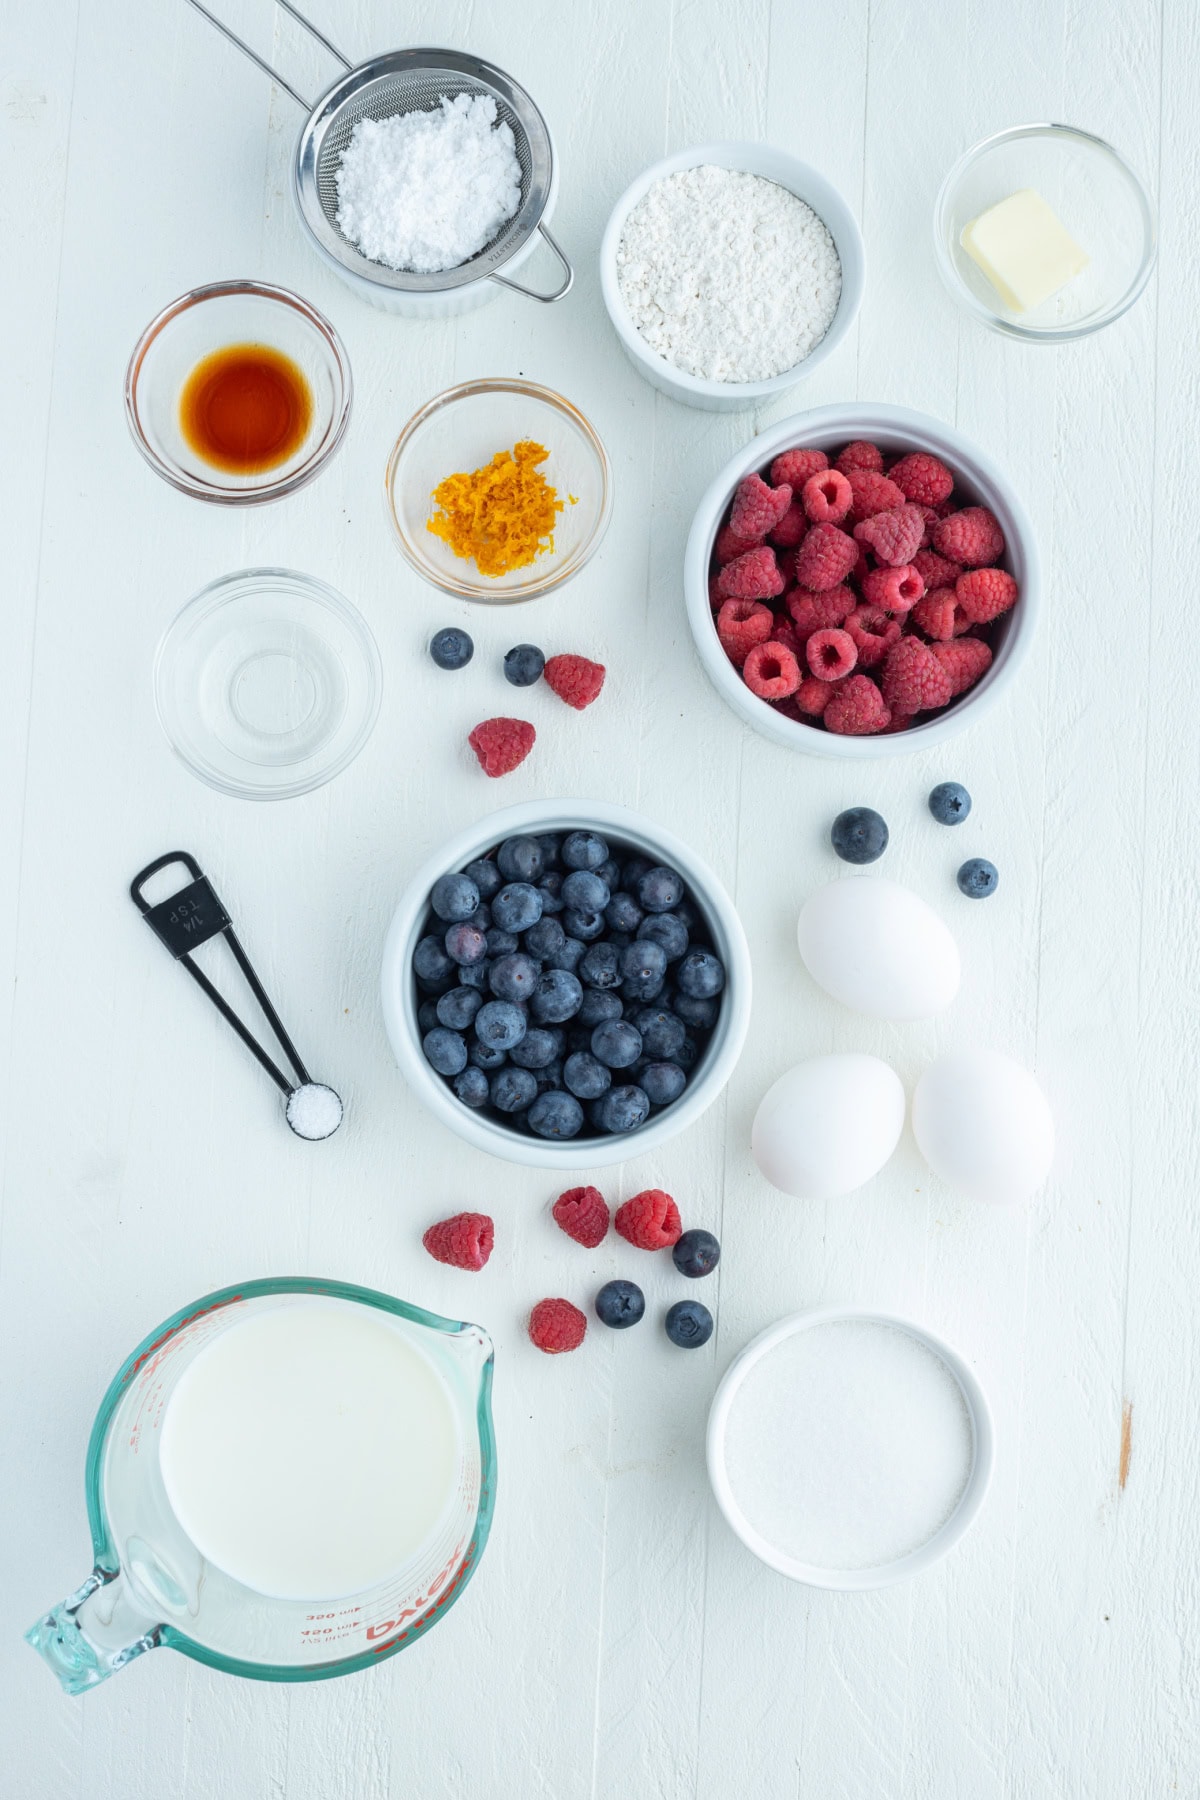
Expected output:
(849, 1448)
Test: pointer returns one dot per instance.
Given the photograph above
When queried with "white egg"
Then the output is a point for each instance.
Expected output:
(983, 1125)
(877, 947)
(828, 1125)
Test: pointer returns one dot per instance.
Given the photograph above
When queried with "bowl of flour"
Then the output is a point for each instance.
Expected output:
(729, 272)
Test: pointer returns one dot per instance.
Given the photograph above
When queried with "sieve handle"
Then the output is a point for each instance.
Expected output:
(261, 62)
(530, 293)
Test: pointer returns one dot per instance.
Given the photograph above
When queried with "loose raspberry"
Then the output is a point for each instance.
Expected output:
(729, 545)
(574, 679)
(650, 1220)
(502, 744)
(857, 709)
(972, 536)
(937, 614)
(963, 661)
(791, 528)
(936, 571)
(771, 672)
(754, 576)
(922, 478)
(874, 632)
(913, 678)
(872, 493)
(894, 536)
(795, 466)
(826, 557)
(893, 590)
(583, 1214)
(818, 612)
(556, 1325)
(827, 497)
(831, 654)
(859, 455)
(812, 697)
(741, 624)
(984, 594)
(757, 508)
(465, 1241)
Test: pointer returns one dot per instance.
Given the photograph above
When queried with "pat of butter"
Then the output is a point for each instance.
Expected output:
(1024, 249)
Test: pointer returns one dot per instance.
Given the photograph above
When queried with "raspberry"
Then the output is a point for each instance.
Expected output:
(795, 466)
(788, 709)
(936, 615)
(826, 557)
(784, 634)
(935, 571)
(771, 672)
(757, 508)
(754, 576)
(894, 536)
(465, 1241)
(502, 744)
(729, 545)
(556, 1325)
(827, 497)
(831, 654)
(715, 596)
(650, 1220)
(983, 594)
(931, 516)
(893, 590)
(582, 1213)
(972, 536)
(913, 678)
(922, 478)
(860, 455)
(574, 679)
(964, 661)
(872, 493)
(818, 612)
(791, 528)
(740, 625)
(874, 633)
(857, 709)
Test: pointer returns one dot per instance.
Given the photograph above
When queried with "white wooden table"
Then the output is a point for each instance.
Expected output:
(617, 1640)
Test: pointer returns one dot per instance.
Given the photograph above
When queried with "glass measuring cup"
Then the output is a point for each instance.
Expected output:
(151, 1585)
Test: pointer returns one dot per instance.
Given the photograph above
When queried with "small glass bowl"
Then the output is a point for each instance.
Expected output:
(208, 319)
(1101, 203)
(267, 684)
(463, 429)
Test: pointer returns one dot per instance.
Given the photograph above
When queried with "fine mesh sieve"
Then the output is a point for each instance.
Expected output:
(403, 81)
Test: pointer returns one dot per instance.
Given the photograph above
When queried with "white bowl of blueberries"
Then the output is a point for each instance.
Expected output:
(565, 984)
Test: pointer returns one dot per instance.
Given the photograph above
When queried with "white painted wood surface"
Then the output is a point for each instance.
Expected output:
(617, 1640)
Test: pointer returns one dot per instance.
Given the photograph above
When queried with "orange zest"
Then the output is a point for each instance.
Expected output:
(502, 515)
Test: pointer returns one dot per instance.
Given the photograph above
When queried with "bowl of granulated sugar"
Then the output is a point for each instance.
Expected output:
(729, 272)
(849, 1449)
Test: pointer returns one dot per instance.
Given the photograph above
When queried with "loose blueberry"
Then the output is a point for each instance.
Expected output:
(556, 1115)
(556, 998)
(523, 665)
(537, 1049)
(600, 967)
(511, 1090)
(587, 926)
(550, 1079)
(622, 912)
(454, 897)
(949, 803)
(544, 938)
(643, 964)
(859, 835)
(517, 906)
(699, 1014)
(659, 889)
(584, 891)
(499, 1025)
(978, 878)
(444, 1050)
(451, 648)
(466, 944)
(596, 1006)
(584, 850)
(514, 977)
(475, 975)
(662, 1032)
(621, 1109)
(457, 1009)
(520, 859)
(635, 867)
(667, 929)
(700, 974)
(620, 1304)
(550, 888)
(427, 1016)
(585, 1076)
(688, 1055)
(471, 1086)
(431, 963)
(550, 845)
(609, 872)
(662, 1082)
(696, 1253)
(482, 916)
(568, 955)
(501, 943)
(689, 1324)
(486, 876)
(486, 1056)
(616, 1044)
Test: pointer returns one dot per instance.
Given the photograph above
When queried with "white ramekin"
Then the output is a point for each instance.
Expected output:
(808, 185)
(400, 997)
(893, 428)
(886, 1574)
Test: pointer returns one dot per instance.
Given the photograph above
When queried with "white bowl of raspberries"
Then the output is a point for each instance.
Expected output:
(861, 581)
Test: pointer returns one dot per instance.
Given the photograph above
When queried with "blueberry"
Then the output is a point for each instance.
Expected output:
(537, 1049)
(568, 956)
(662, 1082)
(635, 868)
(471, 1086)
(517, 906)
(596, 1006)
(950, 803)
(667, 929)
(523, 665)
(620, 1304)
(616, 1043)
(457, 1009)
(859, 835)
(585, 1076)
(659, 889)
(482, 916)
(688, 1055)
(430, 962)
(486, 1056)
(700, 1014)
(485, 875)
(691, 920)
(550, 1079)
(600, 967)
(519, 859)
(466, 943)
(551, 899)
(619, 939)
(444, 1050)
(501, 943)
(638, 990)
(688, 1324)
(585, 892)
(621, 1109)
(661, 1032)
(643, 964)
(556, 997)
(579, 1037)
(499, 1025)
(978, 878)
(696, 1253)
(511, 1090)
(451, 648)
(556, 1115)
(622, 912)
(584, 850)
(427, 1016)
(544, 938)
(454, 897)
(550, 845)
(587, 926)
(475, 975)
(514, 977)
(609, 872)
(700, 974)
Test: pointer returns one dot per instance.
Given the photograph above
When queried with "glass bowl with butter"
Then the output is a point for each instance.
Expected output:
(1044, 233)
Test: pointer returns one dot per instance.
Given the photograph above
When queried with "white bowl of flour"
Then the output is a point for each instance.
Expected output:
(729, 272)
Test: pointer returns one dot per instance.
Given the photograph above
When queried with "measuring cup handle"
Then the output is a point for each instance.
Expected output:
(531, 293)
(83, 1652)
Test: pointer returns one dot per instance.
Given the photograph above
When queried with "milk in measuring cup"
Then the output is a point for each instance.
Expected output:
(310, 1451)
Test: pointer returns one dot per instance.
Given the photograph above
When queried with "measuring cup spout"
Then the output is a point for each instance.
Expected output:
(93, 1633)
